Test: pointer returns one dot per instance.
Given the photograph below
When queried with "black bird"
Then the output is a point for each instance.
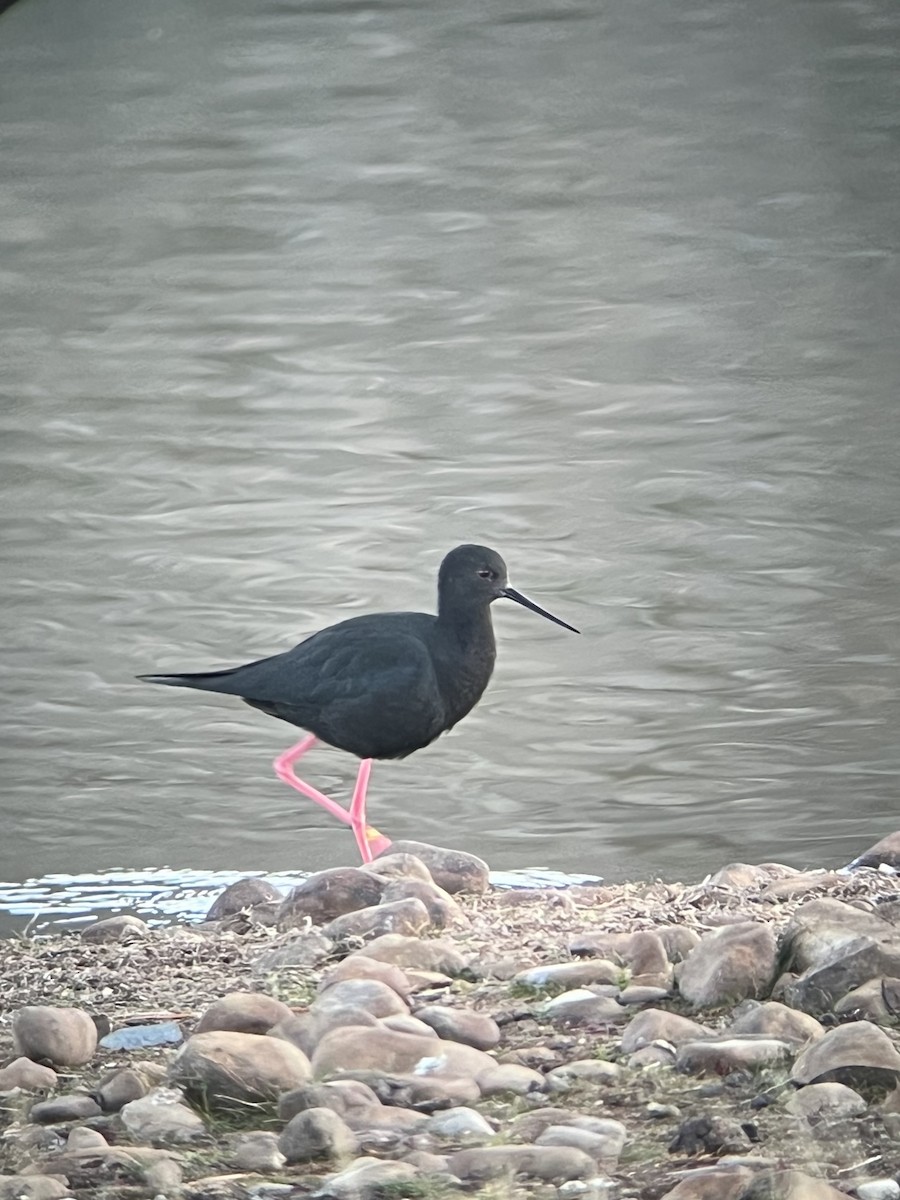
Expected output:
(382, 685)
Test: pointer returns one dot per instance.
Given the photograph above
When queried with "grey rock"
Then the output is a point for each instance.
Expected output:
(242, 896)
(399, 866)
(583, 1007)
(116, 929)
(571, 974)
(81, 1138)
(583, 1070)
(709, 1134)
(883, 853)
(848, 1054)
(459, 1123)
(382, 1049)
(329, 894)
(33, 1187)
(162, 1177)
(833, 1101)
(550, 1164)
(222, 1065)
(721, 1056)
(365, 1179)
(64, 1108)
(27, 1075)
(461, 1025)
(307, 948)
(731, 963)
(772, 1019)
(656, 1024)
(160, 1119)
(340, 1095)
(66, 1037)
(359, 966)
(415, 953)
(117, 1088)
(443, 911)
(317, 1133)
(604, 1147)
(373, 995)
(510, 1079)
(256, 1151)
(404, 917)
(722, 1182)
(878, 1189)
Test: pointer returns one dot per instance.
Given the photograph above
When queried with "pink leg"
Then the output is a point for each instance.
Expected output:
(368, 840)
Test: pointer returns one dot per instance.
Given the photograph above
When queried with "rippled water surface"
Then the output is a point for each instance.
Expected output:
(300, 294)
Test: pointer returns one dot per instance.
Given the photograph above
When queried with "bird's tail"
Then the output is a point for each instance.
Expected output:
(204, 681)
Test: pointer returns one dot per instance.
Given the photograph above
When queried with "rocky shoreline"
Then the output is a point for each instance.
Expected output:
(404, 1030)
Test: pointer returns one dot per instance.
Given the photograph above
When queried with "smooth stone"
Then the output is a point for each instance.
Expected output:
(243, 896)
(600, 944)
(795, 1185)
(885, 852)
(551, 1164)
(366, 1179)
(399, 866)
(117, 1088)
(304, 948)
(82, 1139)
(678, 941)
(33, 1187)
(115, 929)
(381, 1117)
(646, 956)
(604, 1147)
(306, 1030)
(359, 966)
(256, 1151)
(443, 911)
(66, 1037)
(243, 1012)
(401, 917)
(405, 1023)
(724, 1182)
(834, 1101)
(75, 1107)
(642, 993)
(454, 1123)
(657, 1054)
(869, 1002)
(163, 1177)
(570, 974)
(425, 1093)
(426, 1162)
(413, 952)
(375, 997)
(400, 1053)
(583, 1070)
(821, 927)
(329, 894)
(878, 1189)
(724, 1055)
(342, 1096)
(317, 1133)
(461, 1025)
(581, 1007)
(656, 1024)
(27, 1075)
(730, 964)
(530, 1125)
(222, 1065)
(453, 870)
(800, 884)
(508, 1078)
(161, 1119)
(772, 1019)
(847, 1054)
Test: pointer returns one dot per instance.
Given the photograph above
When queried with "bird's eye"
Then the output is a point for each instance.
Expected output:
(487, 573)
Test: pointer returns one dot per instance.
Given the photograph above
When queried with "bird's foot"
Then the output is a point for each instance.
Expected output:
(376, 842)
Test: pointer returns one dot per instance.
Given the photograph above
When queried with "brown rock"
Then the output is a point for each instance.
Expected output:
(359, 966)
(33, 1187)
(66, 1037)
(329, 894)
(871, 1002)
(256, 1152)
(405, 917)
(243, 896)
(829, 1101)
(367, 1179)
(425, 1093)
(819, 928)
(602, 1139)
(223, 1066)
(725, 1182)
(731, 963)
(404, 1023)
(161, 1119)
(370, 994)
(550, 1164)
(399, 866)
(775, 1020)
(721, 1056)
(28, 1075)
(342, 1096)
(594, 944)
(306, 1030)
(397, 1053)
(793, 1185)
(656, 1024)
(570, 974)
(883, 853)
(413, 952)
(75, 1107)
(119, 1087)
(443, 911)
(453, 870)
(860, 1052)
(678, 941)
(584, 1070)
(317, 1133)
(243, 1012)
(461, 1025)
(509, 1079)
(584, 1007)
(530, 1125)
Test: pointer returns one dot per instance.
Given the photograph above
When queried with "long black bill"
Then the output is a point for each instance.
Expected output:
(512, 594)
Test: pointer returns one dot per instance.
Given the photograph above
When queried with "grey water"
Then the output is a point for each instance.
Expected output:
(297, 295)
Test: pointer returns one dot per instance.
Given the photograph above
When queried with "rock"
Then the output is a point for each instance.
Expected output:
(433, 955)
(117, 1088)
(162, 1177)
(403, 917)
(243, 1012)
(256, 1151)
(790, 1185)
(443, 911)
(306, 1030)
(878, 1189)
(366, 1179)
(329, 894)
(317, 1133)
(399, 1053)
(161, 1119)
(359, 966)
(775, 1020)
(583, 1070)
(379, 1119)
(725, 1182)
(399, 866)
(371, 995)
(832, 1101)
(850, 1053)
(582, 1007)
(82, 1139)
(656, 1024)
(600, 944)
(243, 896)
(657, 1054)
(551, 1164)
(571, 974)
(27, 1075)
(731, 963)
(604, 1147)
(709, 1135)
(303, 949)
(531, 1124)
(883, 853)
(405, 1023)
(223, 1065)
(425, 1093)
(875, 1001)
(76, 1107)
(721, 1056)
(509, 1079)
(461, 1025)
(340, 1095)
(66, 1037)
(453, 870)
(459, 1124)
(33, 1187)
(116, 929)
(678, 941)
(800, 884)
